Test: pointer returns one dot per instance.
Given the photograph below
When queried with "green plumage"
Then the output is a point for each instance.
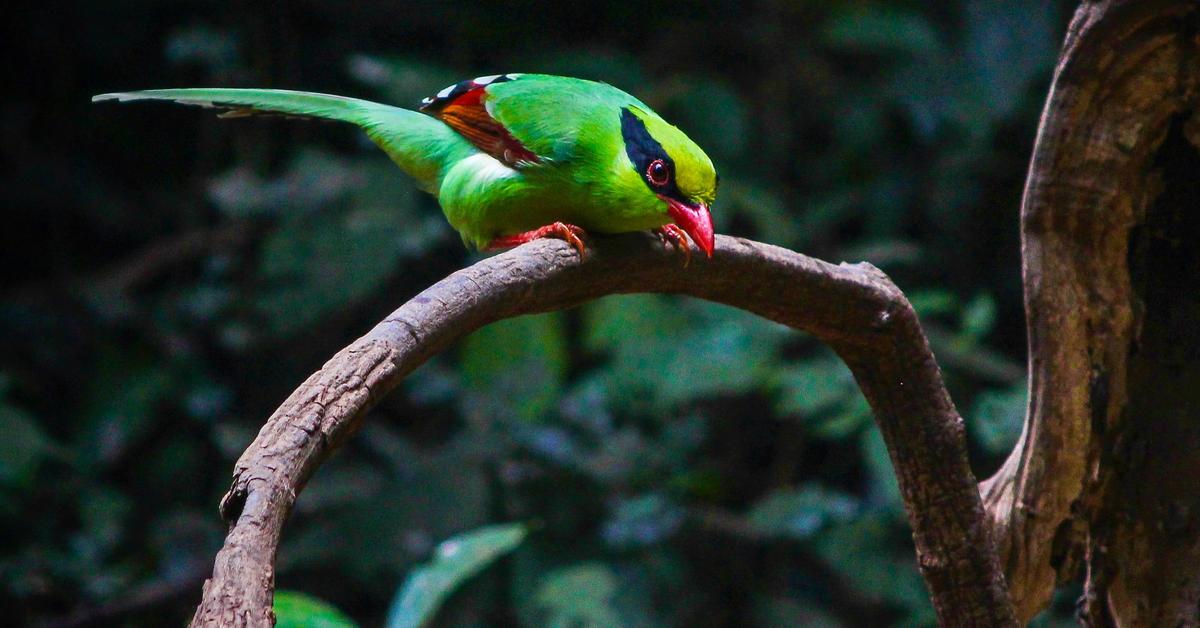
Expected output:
(583, 173)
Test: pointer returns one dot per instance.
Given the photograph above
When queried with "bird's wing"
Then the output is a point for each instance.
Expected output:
(421, 146)
(465, 108)
(526, 119)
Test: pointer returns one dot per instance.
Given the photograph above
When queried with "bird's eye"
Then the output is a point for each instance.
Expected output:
(658, 173)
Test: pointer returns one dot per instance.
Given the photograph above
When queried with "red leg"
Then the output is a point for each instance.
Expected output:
(674, 236)
(561, 230)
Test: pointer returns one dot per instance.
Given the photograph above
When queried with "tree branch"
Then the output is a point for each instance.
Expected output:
(1128, 68)
(856, 309)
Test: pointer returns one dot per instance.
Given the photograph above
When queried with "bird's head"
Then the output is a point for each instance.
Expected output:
(674, 169)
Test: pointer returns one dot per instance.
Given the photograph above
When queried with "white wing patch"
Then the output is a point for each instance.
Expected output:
(484, 167)
(451, 92)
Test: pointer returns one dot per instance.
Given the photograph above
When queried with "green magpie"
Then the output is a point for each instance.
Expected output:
(516, 157)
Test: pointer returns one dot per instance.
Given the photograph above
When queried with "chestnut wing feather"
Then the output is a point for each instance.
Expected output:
(462, 108)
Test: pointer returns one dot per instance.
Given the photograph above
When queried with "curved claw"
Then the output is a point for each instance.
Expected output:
(673, 235)
(572, 234)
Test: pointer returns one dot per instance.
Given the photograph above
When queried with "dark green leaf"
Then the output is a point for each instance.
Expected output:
(325, 260)
(864, 553)
(666, 351)
(978, 318)
(929, 303)
(300, 610)
(882, 29)
(22, 445)
(641, 521)
(516, 367)
(883, 487)
(812, 387)
(800, 513)
(120, 404)
(455, 561)
(998, 418)
(581, 596)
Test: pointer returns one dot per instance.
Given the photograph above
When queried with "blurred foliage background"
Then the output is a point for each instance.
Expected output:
(168, 278)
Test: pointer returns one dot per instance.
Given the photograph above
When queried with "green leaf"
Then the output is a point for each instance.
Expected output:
(316, 262)
(998, 418)
(580, 596)
(23, 444)
(812, 387)
(978, 317)
(300, 610)
(104, 512)
(884, 489)
(121, 402)
(929, 303)
(642, 521)
(823, 394)
(866, 553)
(428, 495)
(853, 415)
(800, 513)
(666, 350)
(880, 29)
(516, 367)
(455, 561)
(861, 129)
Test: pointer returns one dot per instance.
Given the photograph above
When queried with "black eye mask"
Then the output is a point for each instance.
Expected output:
(643, 150)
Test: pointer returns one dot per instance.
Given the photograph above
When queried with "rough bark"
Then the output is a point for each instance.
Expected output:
(853, 308)
(1107, 470)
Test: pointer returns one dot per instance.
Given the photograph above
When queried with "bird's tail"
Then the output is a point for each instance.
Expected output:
(421, 145)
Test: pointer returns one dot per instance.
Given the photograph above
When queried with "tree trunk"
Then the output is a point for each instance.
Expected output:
(1107, 472)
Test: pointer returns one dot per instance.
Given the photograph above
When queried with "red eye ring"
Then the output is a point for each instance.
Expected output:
(657, 173)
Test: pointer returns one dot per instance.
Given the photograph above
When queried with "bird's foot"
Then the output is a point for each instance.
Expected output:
(561, 230)
(671, 234)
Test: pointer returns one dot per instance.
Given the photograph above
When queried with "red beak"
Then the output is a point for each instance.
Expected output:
(696, 221)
